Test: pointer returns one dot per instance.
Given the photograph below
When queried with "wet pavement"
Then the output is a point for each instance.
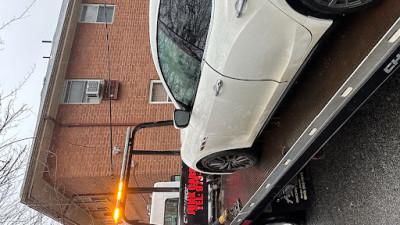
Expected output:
(358, 182)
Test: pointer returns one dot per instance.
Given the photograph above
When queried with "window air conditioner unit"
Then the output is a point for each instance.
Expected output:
(93, 88)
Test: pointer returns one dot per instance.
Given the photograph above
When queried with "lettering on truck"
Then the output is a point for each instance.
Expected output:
(393, 64)
(194, 193)
(193, 197)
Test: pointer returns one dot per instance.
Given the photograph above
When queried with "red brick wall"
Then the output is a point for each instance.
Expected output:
(81, 160)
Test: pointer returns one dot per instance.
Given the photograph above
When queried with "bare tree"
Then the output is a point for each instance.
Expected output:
(14, 148)
(13, 155)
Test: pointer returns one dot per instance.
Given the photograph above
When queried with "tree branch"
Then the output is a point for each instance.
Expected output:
(16, 18)
(14, 91)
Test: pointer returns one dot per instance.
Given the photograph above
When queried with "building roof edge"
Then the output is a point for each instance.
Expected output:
(52, 71)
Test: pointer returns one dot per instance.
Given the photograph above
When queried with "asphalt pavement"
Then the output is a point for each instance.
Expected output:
(358, 181)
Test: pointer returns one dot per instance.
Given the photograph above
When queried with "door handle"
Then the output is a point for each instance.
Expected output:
(217, 87)
(239, 7)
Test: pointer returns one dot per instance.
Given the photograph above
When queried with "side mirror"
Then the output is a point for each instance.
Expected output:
(181, 118)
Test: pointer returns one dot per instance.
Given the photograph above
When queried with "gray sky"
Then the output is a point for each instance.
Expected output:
(23, 48)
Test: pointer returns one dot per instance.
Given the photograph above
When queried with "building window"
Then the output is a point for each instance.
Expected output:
(171, 211)
(158, 93)
(175, 177)
(86, 199)
(82, 92)
(96, 13)
(98, 209)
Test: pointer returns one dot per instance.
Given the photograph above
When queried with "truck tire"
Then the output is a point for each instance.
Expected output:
(281, 223)
(337, 6)
(286, 218)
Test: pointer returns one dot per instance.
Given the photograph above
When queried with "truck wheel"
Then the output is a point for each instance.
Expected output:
(337, 6)
(282, 218)
(229, 161)
(281, 223)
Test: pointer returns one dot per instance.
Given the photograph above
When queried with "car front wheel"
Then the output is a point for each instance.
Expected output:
(228, 161)
(337, 6)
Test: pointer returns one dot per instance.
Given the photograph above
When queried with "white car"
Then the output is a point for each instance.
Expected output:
(226, 65)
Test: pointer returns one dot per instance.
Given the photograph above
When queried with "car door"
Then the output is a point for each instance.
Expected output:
(227, 117)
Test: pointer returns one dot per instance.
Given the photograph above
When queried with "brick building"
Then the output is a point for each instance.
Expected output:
(71, 154)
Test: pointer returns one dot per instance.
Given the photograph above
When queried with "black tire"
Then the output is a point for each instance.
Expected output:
(228, 161)
(337, 6)
(280, 223)
(286, 218)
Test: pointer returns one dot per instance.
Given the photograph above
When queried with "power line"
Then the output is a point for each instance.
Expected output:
(109, 88)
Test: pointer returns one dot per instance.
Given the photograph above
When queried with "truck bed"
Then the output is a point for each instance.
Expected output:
(314, 91)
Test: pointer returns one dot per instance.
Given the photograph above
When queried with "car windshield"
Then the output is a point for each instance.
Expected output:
(181, 71)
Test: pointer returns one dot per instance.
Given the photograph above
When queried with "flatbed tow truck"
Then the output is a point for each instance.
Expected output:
(350, 66)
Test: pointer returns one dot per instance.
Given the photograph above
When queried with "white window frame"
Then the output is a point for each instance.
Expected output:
(152, 82)
(89, 100)
(97, 6)
(92, 199)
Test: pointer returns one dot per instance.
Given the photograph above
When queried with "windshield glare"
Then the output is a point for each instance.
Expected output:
(180, 70)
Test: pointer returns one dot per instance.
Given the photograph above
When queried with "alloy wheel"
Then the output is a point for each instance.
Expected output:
(229, 163)
(342, 4)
